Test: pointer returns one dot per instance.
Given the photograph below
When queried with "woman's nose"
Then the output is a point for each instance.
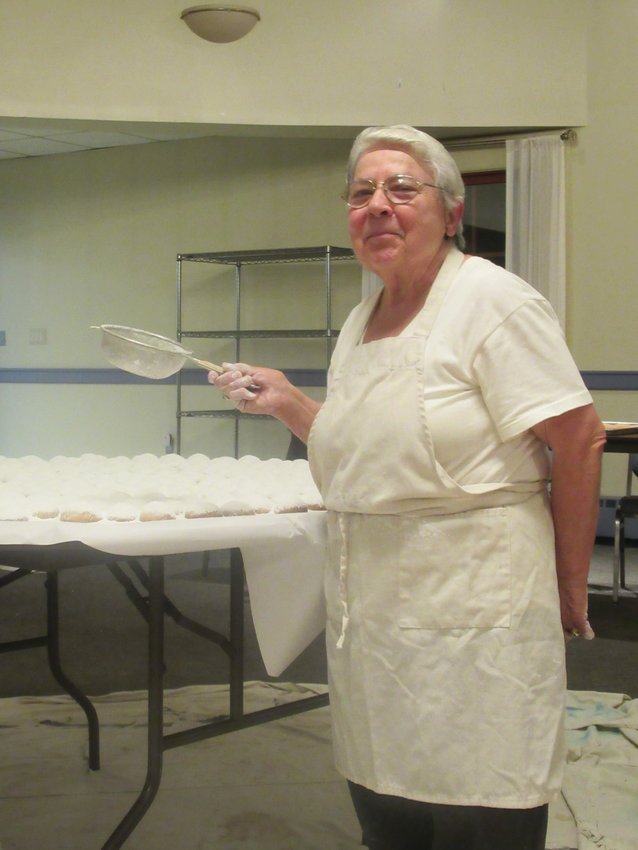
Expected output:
(379, 204)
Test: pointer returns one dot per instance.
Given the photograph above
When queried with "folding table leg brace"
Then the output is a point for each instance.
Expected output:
(156, 606)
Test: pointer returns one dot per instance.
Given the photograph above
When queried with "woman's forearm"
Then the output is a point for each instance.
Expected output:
(574, 499)
(575, 489)
(576, 439)
(297, 412)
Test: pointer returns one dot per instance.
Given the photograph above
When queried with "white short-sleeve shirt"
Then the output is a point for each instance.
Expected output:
(496, 365)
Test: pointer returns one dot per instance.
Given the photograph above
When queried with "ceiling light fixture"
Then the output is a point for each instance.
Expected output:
(220, 23)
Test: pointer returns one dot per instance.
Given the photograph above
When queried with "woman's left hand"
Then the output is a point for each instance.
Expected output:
(573, 608)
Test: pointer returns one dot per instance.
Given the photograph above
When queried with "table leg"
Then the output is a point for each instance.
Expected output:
(155, 707)
(237, 582)
(53, 651)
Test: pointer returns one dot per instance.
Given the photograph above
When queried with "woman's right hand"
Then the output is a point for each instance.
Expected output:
(252, 389)
(255, 389)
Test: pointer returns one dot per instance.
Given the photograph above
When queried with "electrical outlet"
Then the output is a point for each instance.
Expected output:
(38, 336)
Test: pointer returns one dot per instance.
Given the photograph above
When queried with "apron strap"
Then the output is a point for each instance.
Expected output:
(423, 322)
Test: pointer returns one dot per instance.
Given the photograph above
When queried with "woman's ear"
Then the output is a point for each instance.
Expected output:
(453, 219)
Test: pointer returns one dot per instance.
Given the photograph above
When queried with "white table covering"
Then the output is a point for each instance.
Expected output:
(283, 559)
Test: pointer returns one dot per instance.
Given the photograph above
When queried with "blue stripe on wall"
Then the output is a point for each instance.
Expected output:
(300, 377)
(74, 376)
(611, 380)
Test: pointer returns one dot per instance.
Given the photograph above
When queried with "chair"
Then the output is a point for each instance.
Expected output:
(627, 507)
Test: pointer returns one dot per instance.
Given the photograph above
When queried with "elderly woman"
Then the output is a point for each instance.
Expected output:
(456, 569)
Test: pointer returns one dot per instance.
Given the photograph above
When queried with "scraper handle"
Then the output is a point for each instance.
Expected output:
(213, 367)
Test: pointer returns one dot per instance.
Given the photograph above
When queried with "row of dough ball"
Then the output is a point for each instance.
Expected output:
(92, 488)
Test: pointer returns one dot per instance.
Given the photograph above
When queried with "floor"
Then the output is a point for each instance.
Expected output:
(272, 787)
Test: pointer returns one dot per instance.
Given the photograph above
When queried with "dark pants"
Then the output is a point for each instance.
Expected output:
(394, 823)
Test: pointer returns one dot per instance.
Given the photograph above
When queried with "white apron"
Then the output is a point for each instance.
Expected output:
(445, 649)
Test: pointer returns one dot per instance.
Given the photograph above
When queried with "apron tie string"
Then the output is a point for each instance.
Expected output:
(343, 581)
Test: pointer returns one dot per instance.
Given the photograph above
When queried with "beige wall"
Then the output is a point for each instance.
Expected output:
(328, 63)
(602, 183)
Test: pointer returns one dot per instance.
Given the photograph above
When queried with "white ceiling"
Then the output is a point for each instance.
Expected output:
(22, 137)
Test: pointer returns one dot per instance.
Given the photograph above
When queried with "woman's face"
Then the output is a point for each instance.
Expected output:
(399, 238)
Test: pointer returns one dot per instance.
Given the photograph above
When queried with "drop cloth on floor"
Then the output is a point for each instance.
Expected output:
(273, 784)
(598, 808)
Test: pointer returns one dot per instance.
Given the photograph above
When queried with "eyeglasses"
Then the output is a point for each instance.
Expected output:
(398, 189)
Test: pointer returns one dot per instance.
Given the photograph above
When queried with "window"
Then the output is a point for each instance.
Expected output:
(484, 219)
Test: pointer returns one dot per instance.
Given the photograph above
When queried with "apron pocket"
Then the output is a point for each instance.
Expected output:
(454, 571)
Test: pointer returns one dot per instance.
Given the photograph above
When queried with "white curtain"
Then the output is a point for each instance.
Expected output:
(535, 215)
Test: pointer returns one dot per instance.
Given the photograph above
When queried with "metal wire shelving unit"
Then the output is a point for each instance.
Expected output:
(326, 255)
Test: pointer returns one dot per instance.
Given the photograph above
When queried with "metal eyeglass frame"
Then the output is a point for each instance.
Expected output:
(417, 186)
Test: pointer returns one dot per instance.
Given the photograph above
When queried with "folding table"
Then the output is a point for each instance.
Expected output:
(280, 558)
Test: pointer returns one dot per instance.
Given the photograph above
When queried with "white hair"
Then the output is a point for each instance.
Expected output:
(427, 151)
